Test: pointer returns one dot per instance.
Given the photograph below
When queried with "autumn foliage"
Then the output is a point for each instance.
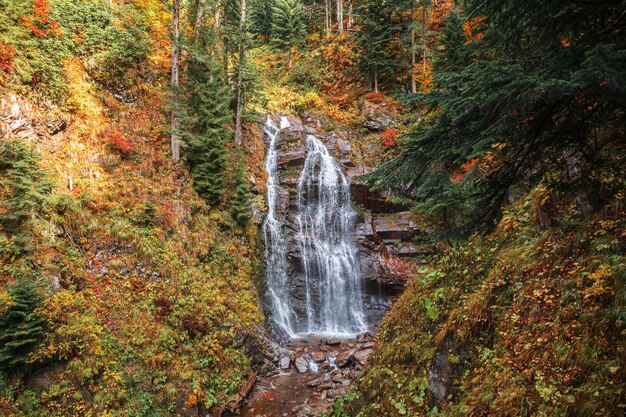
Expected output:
(463, 170)
(7, 53)
(375, 97)
(39, 21)
(389, 138)
(120, 143)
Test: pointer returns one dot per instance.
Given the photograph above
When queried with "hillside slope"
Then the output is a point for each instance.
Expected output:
(524, 321)
(145, 298)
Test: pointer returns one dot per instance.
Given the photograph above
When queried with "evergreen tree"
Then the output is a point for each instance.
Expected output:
(21, 327)
(288, 28)
(452, 52)
(204, 114)
(262, 18)
(544, 87)
(24, 187)
(375, 39)
(240, 201)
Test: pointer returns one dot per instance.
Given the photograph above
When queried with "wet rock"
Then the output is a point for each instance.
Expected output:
(318, 356)
(302, 365)
(362, 337)
(345, 357)
(284, 362)
(332, 342)
(338, 378)
(282, 203)
(362, 356)
(292, 158)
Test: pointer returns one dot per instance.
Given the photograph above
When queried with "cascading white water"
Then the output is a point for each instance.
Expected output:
(275, 242)
(326, 225)
(325, 222)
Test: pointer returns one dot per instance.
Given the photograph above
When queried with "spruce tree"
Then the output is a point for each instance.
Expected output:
(240, 201)
(374, 40)
(452, 53)
(24, 187)
(21, 327)
(262, 18)
(204, 115)
(288, 28)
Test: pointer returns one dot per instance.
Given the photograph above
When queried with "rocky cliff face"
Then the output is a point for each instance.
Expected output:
(385, 233)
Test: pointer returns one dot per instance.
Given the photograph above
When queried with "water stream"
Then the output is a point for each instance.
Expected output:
(275, 242)
(325, 241)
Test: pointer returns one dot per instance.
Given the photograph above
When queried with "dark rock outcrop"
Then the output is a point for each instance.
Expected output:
(445, 369)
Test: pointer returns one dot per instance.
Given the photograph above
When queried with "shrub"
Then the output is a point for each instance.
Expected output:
(389, 138)
(7, 53)
(120, 143)
(374, 97)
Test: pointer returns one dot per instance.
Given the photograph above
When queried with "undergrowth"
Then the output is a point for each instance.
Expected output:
(526, 322)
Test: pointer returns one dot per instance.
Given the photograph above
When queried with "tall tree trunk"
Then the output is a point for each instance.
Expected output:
(425, 17)
(198, 19)
(242, 61)
(224, 45)
(349, 25)
(340, 16)
(413, 49)
(218, 10)
(376, 81)
(327, 17)
(175, 140)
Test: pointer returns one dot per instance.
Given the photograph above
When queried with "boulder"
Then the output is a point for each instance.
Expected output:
(302, 365)
(325, 386)
(368, 345)
(332, 342)
(345, 357)
(442, 372)
(377, 116)
(284, 362)
(362, 356)
(318, 356)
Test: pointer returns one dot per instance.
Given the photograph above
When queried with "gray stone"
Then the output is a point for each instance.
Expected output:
(284, 362)
(302, 365)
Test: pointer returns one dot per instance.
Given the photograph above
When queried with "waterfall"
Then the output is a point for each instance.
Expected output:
(326, 226)
(325, 241)
(275, 242)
